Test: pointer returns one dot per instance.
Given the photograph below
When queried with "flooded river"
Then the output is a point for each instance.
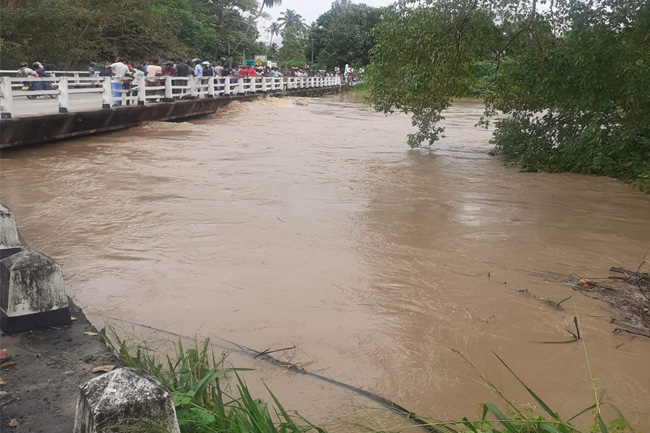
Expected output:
(309, 222)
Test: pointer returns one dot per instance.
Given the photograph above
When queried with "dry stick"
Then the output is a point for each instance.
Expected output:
(575, 320)
(411, 416)
(629, 331)
(553, 304)
(624, 327)
(576, 337)
(267, 351)
(247, 351)
(638, 279)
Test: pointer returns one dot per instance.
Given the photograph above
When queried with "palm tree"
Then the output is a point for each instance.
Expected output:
(268, 3)
(274, 29)
(290, 19)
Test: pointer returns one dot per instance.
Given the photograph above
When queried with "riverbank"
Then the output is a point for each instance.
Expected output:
(43, 375)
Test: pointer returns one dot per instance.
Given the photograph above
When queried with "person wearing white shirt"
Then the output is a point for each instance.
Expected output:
(119, 71)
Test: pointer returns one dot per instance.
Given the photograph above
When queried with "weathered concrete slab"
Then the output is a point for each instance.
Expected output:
(31, 292)
(122, 398)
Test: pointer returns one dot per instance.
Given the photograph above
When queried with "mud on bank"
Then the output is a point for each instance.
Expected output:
(44, 373)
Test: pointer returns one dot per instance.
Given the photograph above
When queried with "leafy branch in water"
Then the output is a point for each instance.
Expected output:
(571, 80)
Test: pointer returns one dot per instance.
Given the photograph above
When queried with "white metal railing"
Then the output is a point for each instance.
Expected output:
(142, 90)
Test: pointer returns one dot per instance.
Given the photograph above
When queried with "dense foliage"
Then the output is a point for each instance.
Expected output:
(343, 36)
(70, 33)
(571, 77)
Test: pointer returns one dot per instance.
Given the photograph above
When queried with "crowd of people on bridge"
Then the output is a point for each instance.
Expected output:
(122, 68)
(123, 73)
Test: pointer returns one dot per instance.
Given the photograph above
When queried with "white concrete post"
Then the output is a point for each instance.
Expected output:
(211, 87)
(119, 400)
(169, 97)
(240, 86)
(6, 98)
(198, 88)
(64, 96)
(32, 294)
(142, 91)
(264, 85)
(107, 97)
(226, 86)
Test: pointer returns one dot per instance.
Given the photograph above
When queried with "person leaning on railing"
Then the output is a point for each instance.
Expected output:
(153, 72)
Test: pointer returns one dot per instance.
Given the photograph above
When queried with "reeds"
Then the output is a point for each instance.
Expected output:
(200, 386)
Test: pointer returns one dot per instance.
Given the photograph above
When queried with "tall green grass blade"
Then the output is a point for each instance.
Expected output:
(212, 375)
(601, 424)
(620, 415)
(285, 414)
(548, 428)
(500, 417)
(469, 425)
(583, 411)
(530, 391)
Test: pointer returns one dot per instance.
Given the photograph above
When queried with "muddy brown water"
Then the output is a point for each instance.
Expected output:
(309, 222)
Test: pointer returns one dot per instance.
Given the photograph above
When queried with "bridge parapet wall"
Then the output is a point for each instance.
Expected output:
(22, 131)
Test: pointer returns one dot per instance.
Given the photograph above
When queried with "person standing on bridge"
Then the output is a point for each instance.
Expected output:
(153, 72)
(169, 69)
(198, 69)
(182, 70)
(119, 71)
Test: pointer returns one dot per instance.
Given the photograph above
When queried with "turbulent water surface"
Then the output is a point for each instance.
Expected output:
(309, 222)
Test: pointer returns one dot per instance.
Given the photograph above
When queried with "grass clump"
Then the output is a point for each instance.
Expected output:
(201, 388)
(525, 418)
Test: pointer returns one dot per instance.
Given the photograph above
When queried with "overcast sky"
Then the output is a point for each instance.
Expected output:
(309, 9)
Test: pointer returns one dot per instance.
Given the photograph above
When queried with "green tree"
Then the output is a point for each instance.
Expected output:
(290, 20)
(70, 33)
(62, 33)
(274, 30)
(293, 47)
(571, 79)
(342, 35)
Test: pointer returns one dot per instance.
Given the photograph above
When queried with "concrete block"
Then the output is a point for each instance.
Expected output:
(31, 292)
(117, 400)
(10, 240)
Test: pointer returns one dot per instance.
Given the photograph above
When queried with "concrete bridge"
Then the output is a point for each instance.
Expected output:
(74, 105)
